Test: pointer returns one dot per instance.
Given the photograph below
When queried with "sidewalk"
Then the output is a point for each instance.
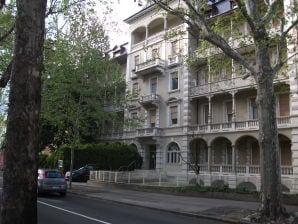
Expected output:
(229, 211)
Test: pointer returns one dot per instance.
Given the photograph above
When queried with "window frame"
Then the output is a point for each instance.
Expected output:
(251, 109)
(150, 90)
(226, 115)
(173, 155)
(171, 89)
(170, 119)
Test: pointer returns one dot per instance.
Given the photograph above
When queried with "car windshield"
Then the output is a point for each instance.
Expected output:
(53, 174)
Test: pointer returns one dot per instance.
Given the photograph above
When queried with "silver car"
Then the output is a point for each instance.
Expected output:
(51, 181)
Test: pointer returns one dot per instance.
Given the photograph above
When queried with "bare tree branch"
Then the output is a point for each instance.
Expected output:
(290, 27)
(244, 12)
(283, 37)
(272, 8)
(8, 32)
(6, 75)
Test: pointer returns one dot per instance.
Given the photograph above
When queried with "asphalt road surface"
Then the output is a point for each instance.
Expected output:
(74, 209)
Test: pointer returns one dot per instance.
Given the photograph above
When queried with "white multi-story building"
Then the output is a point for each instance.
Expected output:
(199, 112)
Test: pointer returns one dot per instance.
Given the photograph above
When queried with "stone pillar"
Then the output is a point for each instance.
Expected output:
(165, 24)
(233, 110)
(233, 159)
(159, 155)
(184, 153)
(147, 34)
(209, 158)
(209, 113)
(186, 111)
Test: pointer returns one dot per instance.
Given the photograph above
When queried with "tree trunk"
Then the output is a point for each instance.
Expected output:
(268, 138)
(20, 172)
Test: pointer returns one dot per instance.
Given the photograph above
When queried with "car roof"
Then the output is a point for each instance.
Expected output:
(45, 169)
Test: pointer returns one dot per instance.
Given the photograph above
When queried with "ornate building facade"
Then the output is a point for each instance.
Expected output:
(202, 112)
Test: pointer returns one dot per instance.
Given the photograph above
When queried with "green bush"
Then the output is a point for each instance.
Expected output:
(106, 156)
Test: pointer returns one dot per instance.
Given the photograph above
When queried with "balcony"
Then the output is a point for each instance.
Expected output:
(156, 65)
(173, 61)
(282, 122)
(148, 132)
(149, 100)
(222, 86)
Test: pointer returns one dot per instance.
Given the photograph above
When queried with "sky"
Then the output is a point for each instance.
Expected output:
(122, 9)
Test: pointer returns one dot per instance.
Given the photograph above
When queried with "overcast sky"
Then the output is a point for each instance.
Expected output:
(122, 10)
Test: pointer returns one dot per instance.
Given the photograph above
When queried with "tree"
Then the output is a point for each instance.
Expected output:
(77, 78)
(19, 184)
(21, 63)
(267, 30)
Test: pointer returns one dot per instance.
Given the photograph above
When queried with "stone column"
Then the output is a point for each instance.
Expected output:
(184, 153)
(146, 35)
(159, 155)
(233, 159)
(233, 110)
(165, 24)
(209, 158)
(209, 113)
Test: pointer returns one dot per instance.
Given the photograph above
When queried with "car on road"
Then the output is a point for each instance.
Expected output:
(81, 174)
(51, 181)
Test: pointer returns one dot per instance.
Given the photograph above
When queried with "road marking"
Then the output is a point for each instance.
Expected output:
(74, 213)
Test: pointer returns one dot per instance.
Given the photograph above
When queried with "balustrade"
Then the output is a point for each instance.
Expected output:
(237, 125)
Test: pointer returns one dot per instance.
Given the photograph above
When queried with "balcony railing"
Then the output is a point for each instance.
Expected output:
(245, 169)
(138, 45)
(173, 60)
(151, 99)
(152, 65)
(237, 125)
(225, 85)
(149, 132)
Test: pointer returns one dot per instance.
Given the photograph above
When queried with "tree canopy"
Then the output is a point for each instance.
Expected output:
(78, 76)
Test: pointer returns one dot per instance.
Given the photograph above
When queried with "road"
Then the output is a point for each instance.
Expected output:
(76, 209)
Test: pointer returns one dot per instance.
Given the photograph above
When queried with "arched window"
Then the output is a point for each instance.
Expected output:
(173, 154)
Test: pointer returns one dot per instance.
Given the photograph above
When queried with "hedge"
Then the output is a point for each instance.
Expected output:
(106, 156)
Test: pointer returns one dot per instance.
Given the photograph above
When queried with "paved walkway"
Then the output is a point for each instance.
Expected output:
(225, 210)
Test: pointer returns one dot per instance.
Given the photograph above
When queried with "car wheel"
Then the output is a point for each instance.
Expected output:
(63, 194)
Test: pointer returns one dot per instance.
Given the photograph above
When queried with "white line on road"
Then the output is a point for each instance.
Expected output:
(78, 214)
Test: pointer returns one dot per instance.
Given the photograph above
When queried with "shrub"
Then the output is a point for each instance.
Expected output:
(107, 156)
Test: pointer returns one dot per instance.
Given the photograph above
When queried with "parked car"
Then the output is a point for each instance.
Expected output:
(51, 181)
(81, 174)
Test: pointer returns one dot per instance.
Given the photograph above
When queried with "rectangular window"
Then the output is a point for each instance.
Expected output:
(174, 48)
(153, 86)
(155, 53)
(152, 118)
(173, 115)
(137, 60)
(284, 105)
(174, 81)
(205, 113)
(229, 111)
(253, 110)
(228, 154)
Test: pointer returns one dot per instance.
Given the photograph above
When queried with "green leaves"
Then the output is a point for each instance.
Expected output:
(77, 79)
